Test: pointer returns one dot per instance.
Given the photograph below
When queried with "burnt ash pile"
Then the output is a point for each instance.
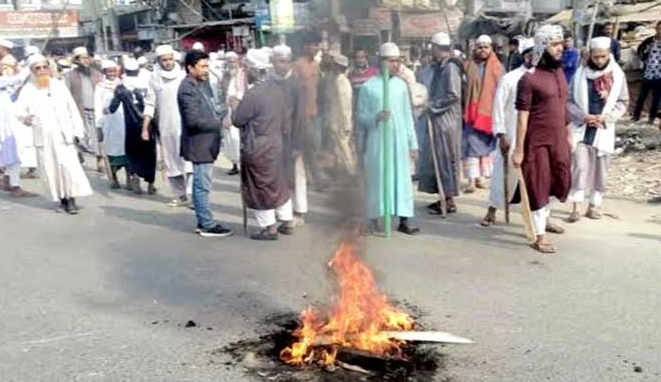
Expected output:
(260, 359)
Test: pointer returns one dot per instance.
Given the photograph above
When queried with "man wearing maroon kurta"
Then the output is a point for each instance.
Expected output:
(543, 148)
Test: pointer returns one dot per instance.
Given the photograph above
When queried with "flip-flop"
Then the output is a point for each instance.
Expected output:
(546, 248)
(554, 228)
(574, 217)
(488, 221)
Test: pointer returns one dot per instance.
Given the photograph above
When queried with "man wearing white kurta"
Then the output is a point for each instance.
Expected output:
(46, 105)
(236, 87)
(504, 128)
(162, 99)
(111, 124)
(598, 97)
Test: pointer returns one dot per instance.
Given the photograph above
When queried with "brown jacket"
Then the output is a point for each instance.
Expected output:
(72, 79)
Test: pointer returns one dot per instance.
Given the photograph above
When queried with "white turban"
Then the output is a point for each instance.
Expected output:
(6, 43)
(282, 51)
(441, 39)
(544, 36)
(525, 44)
(80, 51)
(163, 50)
(258, 59)
(389, 49)
(30, 50)
(36, 59)
(600, 43)
(108, 64)
(483, 40)
(198, 46)
(131, 64)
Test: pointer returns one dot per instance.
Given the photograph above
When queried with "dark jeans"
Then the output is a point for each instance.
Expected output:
(646, 87)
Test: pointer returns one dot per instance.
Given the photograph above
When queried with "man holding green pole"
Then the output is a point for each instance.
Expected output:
(386, 129)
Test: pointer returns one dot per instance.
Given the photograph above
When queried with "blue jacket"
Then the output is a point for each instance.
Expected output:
(570, 63)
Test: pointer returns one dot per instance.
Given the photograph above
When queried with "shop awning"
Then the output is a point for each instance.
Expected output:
(215, 23)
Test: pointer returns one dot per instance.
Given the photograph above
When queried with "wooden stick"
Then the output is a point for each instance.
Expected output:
(526, 212)
(437, 173)
(506, 188)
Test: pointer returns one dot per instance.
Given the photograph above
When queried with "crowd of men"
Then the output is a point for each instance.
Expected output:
(445, 124)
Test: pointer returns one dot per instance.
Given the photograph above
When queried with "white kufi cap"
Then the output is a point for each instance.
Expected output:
(131, 64)
(282, 51)
(341, 60)
(198, 46)
(36, 59)
(108, 64)
(483, 40)
(163, 50)
(442, 39)
(231, 55)
(258, 59)
(600, 43)
(6, 43)
(389, 49)
(80, 51)
(525, 44)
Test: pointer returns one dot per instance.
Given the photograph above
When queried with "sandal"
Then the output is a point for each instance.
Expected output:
(469, 190)
(554, 228)
(593, 214)
(574, 217)
(488, 221)
(546, 248)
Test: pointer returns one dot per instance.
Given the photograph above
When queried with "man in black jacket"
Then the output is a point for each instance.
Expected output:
(650, 52)
(200, 138)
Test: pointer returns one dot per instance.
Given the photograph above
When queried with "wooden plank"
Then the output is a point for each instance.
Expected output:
(435, 337)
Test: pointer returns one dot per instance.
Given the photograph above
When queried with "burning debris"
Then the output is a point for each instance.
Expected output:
(362, 334)
(362, 321)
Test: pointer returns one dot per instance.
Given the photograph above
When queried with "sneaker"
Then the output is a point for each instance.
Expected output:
(217, 231)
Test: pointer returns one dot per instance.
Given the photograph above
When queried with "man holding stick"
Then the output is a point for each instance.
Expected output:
(543, 144)
(442, 154)
(503, 184)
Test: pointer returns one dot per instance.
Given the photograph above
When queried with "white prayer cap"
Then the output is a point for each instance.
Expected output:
(231, 55)
(600, 43)
(341, 60)
(198, 46)
(6, 43)
(389, 49)
(544, 36)
(525, 44)
(108, 64)
(142, 60)
(258, 59)
(282, 51)
(63, 62)
(30, 50)
(442, 39)
(80, 51)
(163, 50)
(483, 40)
(36, 59)
(131, 64)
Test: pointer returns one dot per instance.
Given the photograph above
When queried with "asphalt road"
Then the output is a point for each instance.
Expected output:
(104, 296)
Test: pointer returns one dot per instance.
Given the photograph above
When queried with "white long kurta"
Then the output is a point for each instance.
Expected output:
(162, 99)
(16, 140)
(504, 122)
(232, 140)
(114, 130)
(57, 122)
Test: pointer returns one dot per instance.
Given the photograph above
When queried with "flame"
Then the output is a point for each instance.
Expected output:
(357, 320)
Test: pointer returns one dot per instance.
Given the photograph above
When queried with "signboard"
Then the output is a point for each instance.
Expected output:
(282, 16)
(365, 27)
(39, 24)
(424, 25)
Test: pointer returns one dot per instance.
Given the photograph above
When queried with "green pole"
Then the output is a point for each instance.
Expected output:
(262, 41)
(386, 154)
